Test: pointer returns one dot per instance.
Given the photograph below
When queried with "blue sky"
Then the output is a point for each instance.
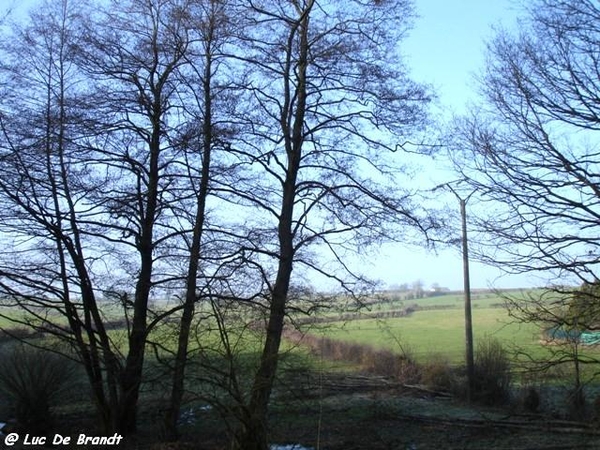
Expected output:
(445, 49)
(447, 45)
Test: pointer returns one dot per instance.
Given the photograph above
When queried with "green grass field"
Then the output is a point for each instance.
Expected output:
(430, 333)
(438, 330)
(435, 329)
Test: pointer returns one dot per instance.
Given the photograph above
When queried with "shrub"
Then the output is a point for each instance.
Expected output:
(491, 385)
(438, 373)
(33, 381)
(576, 403)
(596, 409)
(530, 400)
(408, 371)
(386, 363)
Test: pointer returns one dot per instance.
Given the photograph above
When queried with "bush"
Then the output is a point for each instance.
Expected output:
(389, 364)
(577, 405)
(439, 374)
(408, 371)
(33, 381)
(530, 399)
(491, 385)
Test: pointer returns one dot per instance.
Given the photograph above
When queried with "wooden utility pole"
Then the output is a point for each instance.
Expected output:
(467, 289)
(470, 360)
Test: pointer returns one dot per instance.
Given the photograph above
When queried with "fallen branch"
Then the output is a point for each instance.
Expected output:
(555, 426)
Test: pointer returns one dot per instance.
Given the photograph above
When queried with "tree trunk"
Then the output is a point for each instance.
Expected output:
(254, 435)
(132, 375)
(177, 388)
(254, 432)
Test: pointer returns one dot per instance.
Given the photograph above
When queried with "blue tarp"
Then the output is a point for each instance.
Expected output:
(583, 337)
(590, 338)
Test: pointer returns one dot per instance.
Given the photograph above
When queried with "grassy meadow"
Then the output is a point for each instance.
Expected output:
(436, 328)
(433, 329)
(427, 334)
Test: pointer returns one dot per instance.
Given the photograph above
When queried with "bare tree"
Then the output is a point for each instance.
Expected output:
(135, 52)
(210, 22)
(529, 153)
(94, 163)
(327, 105)
(529, 150)
(46, 269)
(566, 319)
